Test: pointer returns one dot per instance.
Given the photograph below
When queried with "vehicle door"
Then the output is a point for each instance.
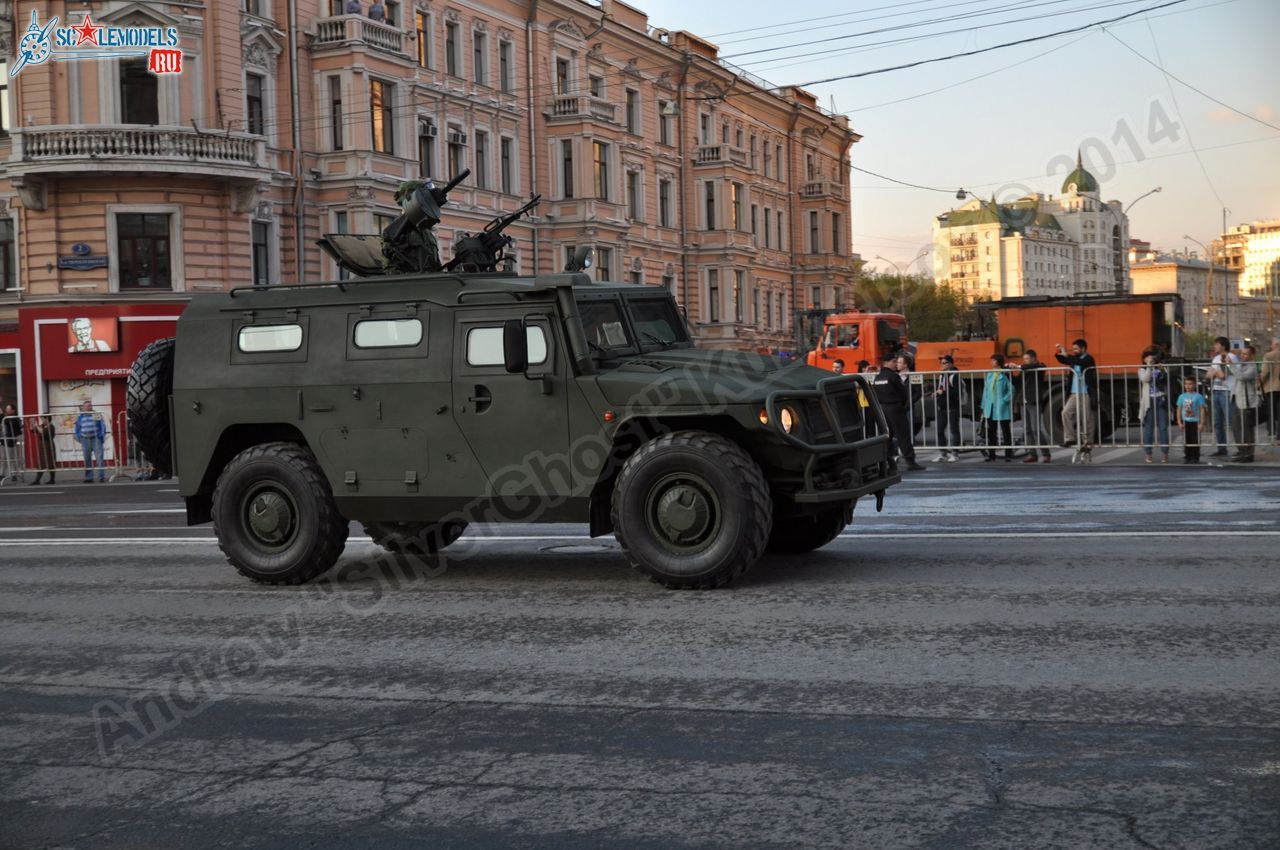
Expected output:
(516, 424)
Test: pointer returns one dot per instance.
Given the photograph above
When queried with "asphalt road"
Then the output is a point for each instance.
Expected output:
(1009, 656)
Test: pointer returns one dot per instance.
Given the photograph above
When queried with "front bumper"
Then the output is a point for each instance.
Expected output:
(846, 442)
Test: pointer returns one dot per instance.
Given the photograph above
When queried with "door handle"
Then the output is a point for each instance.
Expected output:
(482, 398)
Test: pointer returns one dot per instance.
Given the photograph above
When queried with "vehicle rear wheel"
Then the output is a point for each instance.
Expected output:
(692, 510)
(414, 538)
(275, 516)
(147, 402)
(801, 534)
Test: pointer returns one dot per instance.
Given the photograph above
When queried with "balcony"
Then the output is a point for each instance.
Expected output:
(40, 152)
(581, 107)
(816, 190)
(357, 30)
(719, 155)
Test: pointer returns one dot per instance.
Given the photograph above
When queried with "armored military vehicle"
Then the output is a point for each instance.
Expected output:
(423, 396)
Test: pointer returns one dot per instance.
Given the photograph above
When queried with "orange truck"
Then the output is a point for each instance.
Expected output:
(1118, 328)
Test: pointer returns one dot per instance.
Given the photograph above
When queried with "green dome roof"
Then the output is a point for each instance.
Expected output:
(1084, 181)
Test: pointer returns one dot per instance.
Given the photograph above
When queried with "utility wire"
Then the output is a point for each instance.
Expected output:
(947, 7)
(827, 17)
(902, 182)
(1001, 46)
(1172, 76)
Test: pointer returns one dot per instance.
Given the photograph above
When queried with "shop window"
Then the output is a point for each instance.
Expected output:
(143, 248)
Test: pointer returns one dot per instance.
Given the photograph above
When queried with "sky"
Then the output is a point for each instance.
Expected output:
(1017, 129)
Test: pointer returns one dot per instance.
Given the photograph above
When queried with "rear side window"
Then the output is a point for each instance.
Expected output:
(484, 346)
(260, 338)
(388, 333)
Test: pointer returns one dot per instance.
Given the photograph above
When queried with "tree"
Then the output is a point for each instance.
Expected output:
(934, 312)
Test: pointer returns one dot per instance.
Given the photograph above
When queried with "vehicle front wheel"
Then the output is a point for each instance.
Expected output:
(275, 517)
(414, 538)
(798, 535)
(692, 510)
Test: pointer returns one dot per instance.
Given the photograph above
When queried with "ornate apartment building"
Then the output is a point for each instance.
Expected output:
(1036, 245)
(129, 182)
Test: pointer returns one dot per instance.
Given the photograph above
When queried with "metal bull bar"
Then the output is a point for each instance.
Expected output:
(1016, 415)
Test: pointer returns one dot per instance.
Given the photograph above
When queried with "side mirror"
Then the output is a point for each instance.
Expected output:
(515, 346)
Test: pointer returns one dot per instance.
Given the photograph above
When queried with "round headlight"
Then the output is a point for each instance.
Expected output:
(787, 419)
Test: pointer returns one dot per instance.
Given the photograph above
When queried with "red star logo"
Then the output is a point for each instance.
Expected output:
(87, 32)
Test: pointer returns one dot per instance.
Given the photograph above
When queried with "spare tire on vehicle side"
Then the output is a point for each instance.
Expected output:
(147, 403)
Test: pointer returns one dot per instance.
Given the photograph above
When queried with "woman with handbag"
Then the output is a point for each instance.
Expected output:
(42, 434)
(1153, 405)
(997, 408)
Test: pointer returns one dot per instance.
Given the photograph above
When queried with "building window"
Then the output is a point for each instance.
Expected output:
(808, 167)
(633, 111)
(755, 219)
(335, 112)
(836, 241)
(604, 264)
(139, 93)
(768, 228)
(768, 309)
(143, 246)
(562, 76)
(506, 67)
(633, 195)
(664, 122)
(601, 166)
(735, 199)
(482, 160)
(566, 167)
(814, 247)
(768, 160)
(480, 57)
(704, 128)
(426, 148)
(422, 25)
(816, 297)
(782, 234)
(669, 282)
(4, 99)
(724, 133)
(754, 140)
(755, 307)
(340, 225)
(457, 150)
(664, 203)
(452, 61)
(382, 116)
(709, 190)
(637, 278)
(713, 295)
(254, 7)
(506, 168)
(254, 119)
(739, 292)
(595, 84)
(777, 161)
(8, 257)
(261, 253)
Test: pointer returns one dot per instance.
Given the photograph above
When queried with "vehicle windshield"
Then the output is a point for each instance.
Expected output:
(602, 322)
(657, 322)
(841, 336)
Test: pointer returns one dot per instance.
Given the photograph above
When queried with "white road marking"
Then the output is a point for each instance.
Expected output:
(926, 535)
(146, 511)
(27, 528)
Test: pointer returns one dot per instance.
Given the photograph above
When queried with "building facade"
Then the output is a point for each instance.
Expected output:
(126, 188)
(1036, 245)
(1252, 250)
(1211, 305)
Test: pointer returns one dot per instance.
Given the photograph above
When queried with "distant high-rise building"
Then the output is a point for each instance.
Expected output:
(1253, 250)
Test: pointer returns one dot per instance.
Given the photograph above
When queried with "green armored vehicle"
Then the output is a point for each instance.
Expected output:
(418, 402)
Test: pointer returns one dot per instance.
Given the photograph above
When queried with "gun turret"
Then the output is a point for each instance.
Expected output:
(483, 251)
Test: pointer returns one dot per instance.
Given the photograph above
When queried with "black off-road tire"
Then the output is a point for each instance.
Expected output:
(707, 484)
(275, 516)
(420, 539)
(147, 403)
(798, 535)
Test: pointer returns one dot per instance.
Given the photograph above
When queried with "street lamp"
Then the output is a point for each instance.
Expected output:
(1124, 210)
(902, 280)
(1208, 299)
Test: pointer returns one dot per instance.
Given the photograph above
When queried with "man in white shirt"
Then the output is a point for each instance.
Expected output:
(1222, 382)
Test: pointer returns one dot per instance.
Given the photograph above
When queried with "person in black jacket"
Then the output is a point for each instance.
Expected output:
(1081, 401)
(1035, 397)
(947, 400)
(894, 400)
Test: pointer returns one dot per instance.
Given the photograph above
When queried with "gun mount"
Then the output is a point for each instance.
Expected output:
(408, 245)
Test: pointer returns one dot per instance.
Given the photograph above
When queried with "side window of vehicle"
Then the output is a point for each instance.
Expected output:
(270, 340)
(390, 336)
(484, 346)
(388, 333)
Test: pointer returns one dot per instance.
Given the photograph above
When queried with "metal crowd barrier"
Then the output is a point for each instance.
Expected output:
(26, 455)
(1110, 418)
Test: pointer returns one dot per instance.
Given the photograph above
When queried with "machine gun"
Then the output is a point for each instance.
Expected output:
(407, 245)
(483, 251)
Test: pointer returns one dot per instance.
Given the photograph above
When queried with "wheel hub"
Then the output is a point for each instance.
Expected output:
(683, 512)
(270, 517)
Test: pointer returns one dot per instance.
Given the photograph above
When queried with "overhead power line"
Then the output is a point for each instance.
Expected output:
(975, 52)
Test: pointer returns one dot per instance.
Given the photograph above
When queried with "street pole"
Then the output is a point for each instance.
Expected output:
(902, 288)
(1208, 295)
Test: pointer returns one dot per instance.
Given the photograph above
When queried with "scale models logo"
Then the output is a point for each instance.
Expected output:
(39, 44)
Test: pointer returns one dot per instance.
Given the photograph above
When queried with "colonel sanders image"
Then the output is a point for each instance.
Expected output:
(83, 330)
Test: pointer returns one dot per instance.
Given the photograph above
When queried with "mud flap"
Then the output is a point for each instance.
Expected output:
(879, 501)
